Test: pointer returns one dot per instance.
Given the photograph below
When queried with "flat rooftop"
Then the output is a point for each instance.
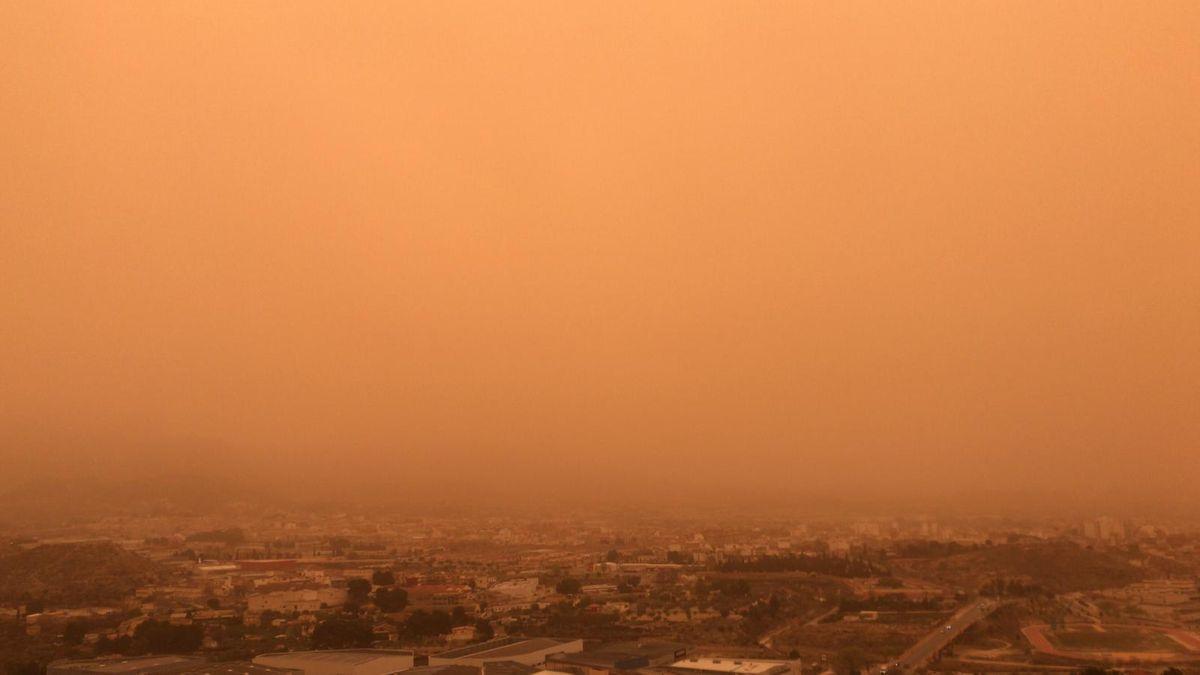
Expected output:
(347, 656)
(502, 647)
(729, 665)
(135, 664)
(240, 668)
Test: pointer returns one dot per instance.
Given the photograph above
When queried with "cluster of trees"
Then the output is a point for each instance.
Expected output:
(850, 661)
(17, 655)
(24, 667)
(154, 637)
(341, 632)
(390, 599)
(931, 549)
(731, 588)
(568, 586)
(357, 592)
(386, 597)
(345, 632)
(760, 616)
(822, 564)
(75, 631)
(422, 624)
(628, 584)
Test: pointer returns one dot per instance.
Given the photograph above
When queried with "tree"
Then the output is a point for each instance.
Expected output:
(121, 645)
(733, 588)
(849, 661)
(422, 624)
(158, 637)
(485, 632)
(383, 578)
(773, 605)
(568, 586)
(24, 668)
(391, 599)
(74, 631)
(357, 591)
(213, 603)
(612, 556)
(342, 633)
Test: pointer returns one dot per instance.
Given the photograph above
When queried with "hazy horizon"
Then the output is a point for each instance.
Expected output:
(931, 253)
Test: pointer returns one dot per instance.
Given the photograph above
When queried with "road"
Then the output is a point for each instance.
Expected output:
(768, 639)
(920, 653)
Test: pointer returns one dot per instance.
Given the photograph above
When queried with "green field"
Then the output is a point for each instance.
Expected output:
(1113, 640)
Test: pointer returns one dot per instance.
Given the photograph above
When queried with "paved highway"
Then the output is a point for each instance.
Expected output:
(920, 653)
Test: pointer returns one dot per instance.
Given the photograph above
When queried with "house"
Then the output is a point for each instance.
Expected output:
(462, 634)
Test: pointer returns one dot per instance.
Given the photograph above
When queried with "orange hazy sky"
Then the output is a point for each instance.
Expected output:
(786, 245)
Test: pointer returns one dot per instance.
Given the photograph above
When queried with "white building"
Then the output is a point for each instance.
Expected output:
(739, 666)
(309, 600)
(517, 589)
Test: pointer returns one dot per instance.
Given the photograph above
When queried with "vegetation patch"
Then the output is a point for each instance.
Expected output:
(1088, 638)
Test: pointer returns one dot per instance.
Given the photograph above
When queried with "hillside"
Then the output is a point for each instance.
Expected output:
(74, 574)
(85, 498)
(1056, 566)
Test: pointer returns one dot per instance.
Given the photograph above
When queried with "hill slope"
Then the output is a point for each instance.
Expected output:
(1057, 566)
(74, 574)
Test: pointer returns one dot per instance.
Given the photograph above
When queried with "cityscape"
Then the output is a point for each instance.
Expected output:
(599, 337)
(264, 590)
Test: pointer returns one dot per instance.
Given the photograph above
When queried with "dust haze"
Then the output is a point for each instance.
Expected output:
(842, 253)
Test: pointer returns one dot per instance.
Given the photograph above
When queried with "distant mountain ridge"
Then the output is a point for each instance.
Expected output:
(61, 499)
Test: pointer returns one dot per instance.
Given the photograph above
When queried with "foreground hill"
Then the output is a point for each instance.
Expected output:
(74, 574)
(1056, 566)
